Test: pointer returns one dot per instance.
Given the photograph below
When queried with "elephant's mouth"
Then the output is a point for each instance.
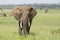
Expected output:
(21, 24)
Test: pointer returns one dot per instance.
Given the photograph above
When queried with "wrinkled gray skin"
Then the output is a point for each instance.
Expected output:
(24, 15)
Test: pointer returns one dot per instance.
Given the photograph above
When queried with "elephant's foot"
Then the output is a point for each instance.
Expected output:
(25, 32)
(28, 29)
(20, 31)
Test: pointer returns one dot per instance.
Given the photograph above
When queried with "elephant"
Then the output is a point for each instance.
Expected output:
(24, 15)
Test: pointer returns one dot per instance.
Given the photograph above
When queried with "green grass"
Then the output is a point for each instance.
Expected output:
(44, 27)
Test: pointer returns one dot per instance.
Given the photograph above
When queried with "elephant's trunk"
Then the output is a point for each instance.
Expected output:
(24, 20)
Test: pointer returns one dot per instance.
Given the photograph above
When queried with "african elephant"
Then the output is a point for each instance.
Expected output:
(24, 15)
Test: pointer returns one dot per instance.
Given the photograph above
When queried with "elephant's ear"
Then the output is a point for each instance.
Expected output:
(30, 9)
(32, 12)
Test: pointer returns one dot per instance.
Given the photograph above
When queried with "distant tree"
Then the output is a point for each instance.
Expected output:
(40, 8)
(46, 10)
(3, 12)
(0, 8)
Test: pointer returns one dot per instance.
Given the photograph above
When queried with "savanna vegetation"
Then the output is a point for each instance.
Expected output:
(44, 26)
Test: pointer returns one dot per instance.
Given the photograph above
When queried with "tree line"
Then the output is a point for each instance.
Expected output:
(38, 6)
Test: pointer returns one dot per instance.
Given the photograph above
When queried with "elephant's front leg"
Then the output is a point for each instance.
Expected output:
(29, 24)
(20, 29)
(28, 27)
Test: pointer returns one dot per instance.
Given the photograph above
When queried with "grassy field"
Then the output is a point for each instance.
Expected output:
(44, 27)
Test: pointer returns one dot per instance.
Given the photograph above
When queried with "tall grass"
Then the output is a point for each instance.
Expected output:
(44, 27)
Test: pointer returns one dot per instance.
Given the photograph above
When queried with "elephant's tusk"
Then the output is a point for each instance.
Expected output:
(21, 24)
(28, 23)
